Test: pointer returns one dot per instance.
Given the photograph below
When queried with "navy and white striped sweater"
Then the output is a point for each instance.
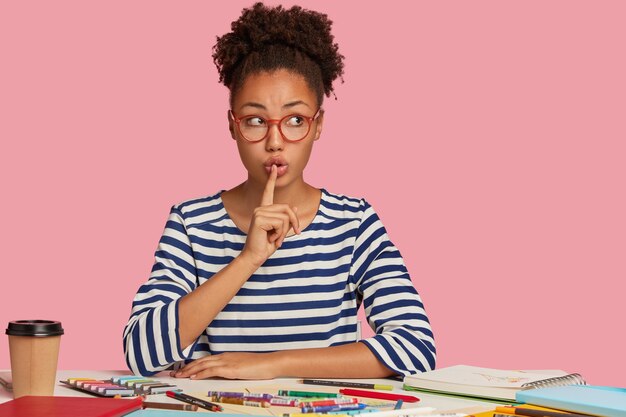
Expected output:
(306, 295)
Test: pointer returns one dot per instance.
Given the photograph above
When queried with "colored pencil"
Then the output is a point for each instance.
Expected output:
(347, 384)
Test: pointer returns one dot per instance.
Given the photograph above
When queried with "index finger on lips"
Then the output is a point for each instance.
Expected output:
(268, 194)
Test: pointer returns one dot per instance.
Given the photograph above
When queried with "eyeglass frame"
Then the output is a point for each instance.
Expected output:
(276, 122)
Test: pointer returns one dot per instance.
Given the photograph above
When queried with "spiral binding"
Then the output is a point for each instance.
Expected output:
(557, 381)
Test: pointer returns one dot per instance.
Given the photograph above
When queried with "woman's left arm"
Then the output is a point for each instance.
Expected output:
(404, 340)
(353, 360)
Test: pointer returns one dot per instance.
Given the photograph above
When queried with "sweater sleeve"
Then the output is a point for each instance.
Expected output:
(151, 337)
(403, 341)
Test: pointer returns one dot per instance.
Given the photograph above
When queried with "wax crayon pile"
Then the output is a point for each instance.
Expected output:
(122, 386)
(307, 402)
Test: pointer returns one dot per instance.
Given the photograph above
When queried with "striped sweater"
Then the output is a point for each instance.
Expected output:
(306, 295)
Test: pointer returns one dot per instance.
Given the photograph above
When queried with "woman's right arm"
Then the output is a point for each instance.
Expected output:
(269, 225)
(170, 311)
(151, 341)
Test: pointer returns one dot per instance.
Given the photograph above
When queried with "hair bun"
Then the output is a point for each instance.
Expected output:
(260, 27)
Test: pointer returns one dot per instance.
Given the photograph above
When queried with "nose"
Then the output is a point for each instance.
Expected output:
(274, 141)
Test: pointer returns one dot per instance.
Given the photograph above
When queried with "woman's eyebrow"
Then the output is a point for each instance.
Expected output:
(294, 103)
(260, 106)
(253, 105)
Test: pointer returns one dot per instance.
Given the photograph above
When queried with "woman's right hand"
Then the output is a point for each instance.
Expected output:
(269, 225)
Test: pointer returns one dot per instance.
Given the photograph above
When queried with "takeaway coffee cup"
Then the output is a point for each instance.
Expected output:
(34, 349)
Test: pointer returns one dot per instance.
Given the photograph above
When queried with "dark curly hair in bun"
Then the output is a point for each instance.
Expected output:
(267, 39)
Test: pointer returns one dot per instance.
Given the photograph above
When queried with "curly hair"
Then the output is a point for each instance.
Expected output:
(267, 39)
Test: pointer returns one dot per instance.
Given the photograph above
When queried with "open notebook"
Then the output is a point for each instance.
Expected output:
(496, 384)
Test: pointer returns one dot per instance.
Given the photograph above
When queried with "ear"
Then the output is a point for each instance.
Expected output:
(231, 125)
(319, 123)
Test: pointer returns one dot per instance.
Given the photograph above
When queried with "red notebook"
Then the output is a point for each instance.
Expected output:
(34, 406)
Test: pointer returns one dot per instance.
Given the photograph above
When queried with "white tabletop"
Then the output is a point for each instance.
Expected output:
(199, 388)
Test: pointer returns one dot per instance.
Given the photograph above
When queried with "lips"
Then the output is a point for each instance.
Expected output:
(281, 166)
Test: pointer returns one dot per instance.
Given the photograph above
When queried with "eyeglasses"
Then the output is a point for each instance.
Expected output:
(292, 128)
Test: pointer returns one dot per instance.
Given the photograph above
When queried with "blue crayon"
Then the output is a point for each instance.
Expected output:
(122, 379)
(354, 412)
(338, 407)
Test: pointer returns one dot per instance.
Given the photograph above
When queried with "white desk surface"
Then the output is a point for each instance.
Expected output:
(199, 388)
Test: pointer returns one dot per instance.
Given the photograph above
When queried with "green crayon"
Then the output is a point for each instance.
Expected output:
(307, 394)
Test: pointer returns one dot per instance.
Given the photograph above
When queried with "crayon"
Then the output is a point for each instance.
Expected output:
(170, 406)
(285, 402)
(336, 407)
(379, 395)
(308, 394)
(347, 384)
(192, 400)
(134, 382)
(239, 394)
(240, 401)
(333, 401)
(161, 390)
(354, 412)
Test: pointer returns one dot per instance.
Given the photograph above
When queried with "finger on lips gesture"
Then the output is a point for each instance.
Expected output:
(270, 222)
(283, 212)
(267, 199)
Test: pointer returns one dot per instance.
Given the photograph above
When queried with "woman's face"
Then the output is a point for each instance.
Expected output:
(273, 96)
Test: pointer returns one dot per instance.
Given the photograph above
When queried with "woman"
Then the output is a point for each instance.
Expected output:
(265, 280)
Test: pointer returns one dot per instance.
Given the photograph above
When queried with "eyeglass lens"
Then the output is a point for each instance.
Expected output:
(293, 127)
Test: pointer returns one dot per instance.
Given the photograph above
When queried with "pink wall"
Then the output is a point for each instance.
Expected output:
(489, 135)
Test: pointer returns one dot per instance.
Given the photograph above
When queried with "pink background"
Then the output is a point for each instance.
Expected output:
(489, 135)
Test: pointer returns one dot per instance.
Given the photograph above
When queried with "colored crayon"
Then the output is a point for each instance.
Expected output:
(75, 381)
(134, 383)
(239, 395)
(84, 384)
(333, 401)
(347, 384)
(308, 394)
(336, 407)
(193, 400)
(170, 406)
(161, 390)
(355, 412)
(379, 395)
(240, 401)
(285, 402)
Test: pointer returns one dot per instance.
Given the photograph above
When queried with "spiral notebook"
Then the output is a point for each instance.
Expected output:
(487, 383)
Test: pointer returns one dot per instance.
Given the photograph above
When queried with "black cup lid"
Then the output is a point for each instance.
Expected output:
(36, 328)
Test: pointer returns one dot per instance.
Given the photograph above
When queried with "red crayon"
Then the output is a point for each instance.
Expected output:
(379, 395)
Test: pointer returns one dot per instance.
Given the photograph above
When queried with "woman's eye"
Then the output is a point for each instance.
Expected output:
(295, 120)
(254, 121)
